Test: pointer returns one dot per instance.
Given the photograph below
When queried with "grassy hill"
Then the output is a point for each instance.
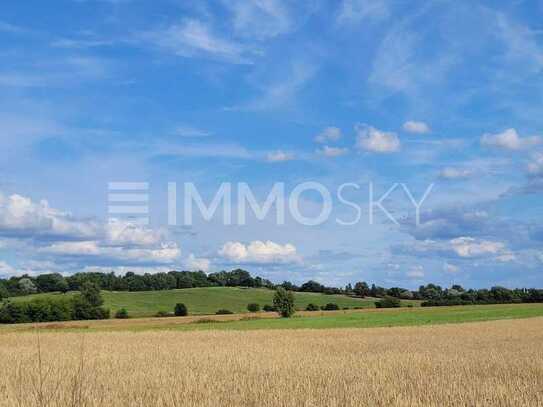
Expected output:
(208, 300)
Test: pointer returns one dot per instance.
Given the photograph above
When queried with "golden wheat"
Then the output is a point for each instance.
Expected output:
(496, 363)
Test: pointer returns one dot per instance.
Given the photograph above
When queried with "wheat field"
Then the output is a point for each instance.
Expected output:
(497, 363)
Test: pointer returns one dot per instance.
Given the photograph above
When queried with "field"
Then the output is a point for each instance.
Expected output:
(365, 318)
(209, 299)
(498, 363)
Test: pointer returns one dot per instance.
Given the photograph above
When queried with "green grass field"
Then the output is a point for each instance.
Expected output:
(382, 318)
(208, 300)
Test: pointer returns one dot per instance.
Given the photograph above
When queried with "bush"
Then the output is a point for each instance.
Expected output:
(388, 302)
(312, 307)
(284, 302)
(223, 311)
(180, 310)
(253, 307)
(163, 314)
(268, 308)
(330, 307)
(121, 314)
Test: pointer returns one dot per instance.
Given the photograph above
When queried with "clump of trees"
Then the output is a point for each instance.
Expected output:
(180, 310)
(388, 302)
(312, 307)
(85, 305)
(253, 307)
(283, 301)
(122, 314)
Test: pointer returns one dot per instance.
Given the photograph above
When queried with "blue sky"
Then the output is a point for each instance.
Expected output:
(266, 91)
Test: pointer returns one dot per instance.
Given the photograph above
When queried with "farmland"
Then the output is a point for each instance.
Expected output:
(208, 300)
(481, 363)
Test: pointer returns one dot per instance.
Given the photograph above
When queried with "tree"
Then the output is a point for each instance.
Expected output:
(4, 293)
(121, 314)
(361, 289)
(27, 286)
(180, 310)
(283, 302)
(253, 307)
(51, 282)
(388, 302)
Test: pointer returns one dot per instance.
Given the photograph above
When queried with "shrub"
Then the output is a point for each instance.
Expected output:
(284, 302)
(253, 307)
(223, 311)
(163, 314)
(268, 308)
(312, 307)
(180, 310)
(388, 302)
(330, 307)
(121, 314)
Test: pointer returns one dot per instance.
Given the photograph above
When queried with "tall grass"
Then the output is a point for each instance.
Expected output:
(497, 363)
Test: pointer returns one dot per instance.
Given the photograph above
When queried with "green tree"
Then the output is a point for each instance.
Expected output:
(180, 310)
(253, 307)
(361, 289)
(27, 286)
(283, 302)
(4, 293)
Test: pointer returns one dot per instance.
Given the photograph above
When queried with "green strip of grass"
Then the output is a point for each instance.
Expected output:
(382, 318)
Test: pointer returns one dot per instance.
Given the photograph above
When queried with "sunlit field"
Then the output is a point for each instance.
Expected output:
(495, 363)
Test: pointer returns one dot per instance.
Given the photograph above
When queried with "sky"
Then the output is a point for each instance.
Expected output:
(360, 98)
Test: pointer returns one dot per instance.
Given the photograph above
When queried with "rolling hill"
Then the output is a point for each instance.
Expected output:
(208, 300)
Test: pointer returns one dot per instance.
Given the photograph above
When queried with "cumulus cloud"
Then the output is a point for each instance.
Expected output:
(455, 173)
(416, 273)
(196, 263)
(509, 140)
(61, 237)
(6, 269)
(166, 253)
(416, 127)
(450, 268)
(328, 134)
(332, 151)
(470, 247)
(21, 217)
(370, 139)
(279, 156)
(259, 252)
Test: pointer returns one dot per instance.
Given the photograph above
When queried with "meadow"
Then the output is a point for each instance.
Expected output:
(208, 300)
(363, 318)
(498, 363)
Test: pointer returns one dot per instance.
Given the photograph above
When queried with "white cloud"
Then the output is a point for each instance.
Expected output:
(260, 19)
(455, 173)
(332, 151)
(509, 140)
(535, 167)
(279, 156)
(450, 268)
(370, 139)
(354, 11)
(416, 127)
(189, 131)
(20, 217)
(197, 263)
(194, 38)
(166, 253)
(328, 134)
(259, 252)
(470, 247)
(6, 269)
(416, 272)
(122, 232)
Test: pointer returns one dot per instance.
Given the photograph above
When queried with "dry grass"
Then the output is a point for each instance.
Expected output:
(496, 363)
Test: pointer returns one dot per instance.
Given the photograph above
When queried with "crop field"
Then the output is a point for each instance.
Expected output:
(498, 363)
(209, 299)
